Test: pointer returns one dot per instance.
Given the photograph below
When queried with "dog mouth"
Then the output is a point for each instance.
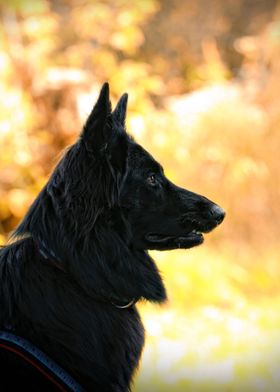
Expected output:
(156, 241)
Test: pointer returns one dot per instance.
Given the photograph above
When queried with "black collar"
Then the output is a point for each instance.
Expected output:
(49, 255)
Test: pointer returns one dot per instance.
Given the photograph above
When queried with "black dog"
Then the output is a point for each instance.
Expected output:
(78, 261)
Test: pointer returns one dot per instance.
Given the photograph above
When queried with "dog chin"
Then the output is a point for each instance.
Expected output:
(167, 242)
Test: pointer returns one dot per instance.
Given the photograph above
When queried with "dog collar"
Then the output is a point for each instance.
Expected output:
(118, 302)
(126, 305)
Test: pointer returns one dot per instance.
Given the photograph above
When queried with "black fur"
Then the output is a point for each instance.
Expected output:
(81, 251)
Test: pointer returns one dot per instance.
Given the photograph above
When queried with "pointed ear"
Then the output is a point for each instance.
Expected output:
(119, 114)
(94, 133)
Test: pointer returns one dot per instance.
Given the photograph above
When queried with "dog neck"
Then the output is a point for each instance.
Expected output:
(49, 255)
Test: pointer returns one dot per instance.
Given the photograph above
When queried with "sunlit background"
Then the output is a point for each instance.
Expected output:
(203, 79)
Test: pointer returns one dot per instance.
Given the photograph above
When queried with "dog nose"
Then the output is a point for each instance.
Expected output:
(218, 213)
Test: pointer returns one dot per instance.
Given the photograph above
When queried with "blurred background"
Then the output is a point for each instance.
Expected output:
(203, 79)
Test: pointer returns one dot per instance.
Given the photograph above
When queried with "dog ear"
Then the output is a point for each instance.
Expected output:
(94, 133)
(118, 146)
(119, 114)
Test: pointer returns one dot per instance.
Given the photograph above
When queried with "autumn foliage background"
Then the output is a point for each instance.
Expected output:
(203, 80)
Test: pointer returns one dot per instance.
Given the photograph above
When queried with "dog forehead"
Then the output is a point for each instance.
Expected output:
(138, 157)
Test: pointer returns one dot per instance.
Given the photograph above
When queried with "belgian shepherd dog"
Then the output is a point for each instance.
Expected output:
(78, 262)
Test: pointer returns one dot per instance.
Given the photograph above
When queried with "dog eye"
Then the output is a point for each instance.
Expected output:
(152, 179)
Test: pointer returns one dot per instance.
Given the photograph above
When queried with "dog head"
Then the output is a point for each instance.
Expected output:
(161, 215)
(108, 202)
